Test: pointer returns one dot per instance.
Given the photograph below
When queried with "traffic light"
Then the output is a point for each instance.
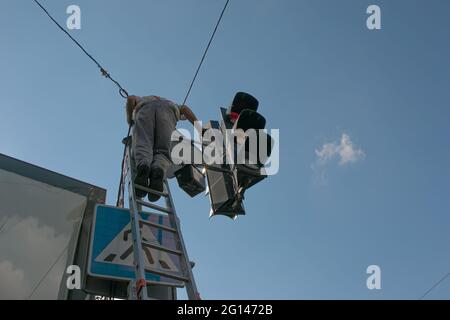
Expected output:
(222, 187)
(242, 101)
(251, 145)
(242, 127)
(246, 124)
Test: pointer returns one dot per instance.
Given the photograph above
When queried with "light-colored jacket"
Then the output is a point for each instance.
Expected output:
(132, 110)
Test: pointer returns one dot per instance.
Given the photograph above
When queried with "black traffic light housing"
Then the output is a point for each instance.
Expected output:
(191, 180)
(243, 101)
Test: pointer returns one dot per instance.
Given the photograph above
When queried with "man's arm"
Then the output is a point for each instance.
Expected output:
(191, 117)
(188, 113)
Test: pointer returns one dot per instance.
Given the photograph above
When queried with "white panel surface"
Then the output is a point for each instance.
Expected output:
(36, 223)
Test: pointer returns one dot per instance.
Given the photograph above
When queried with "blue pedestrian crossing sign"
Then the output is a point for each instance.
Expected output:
(111, 253)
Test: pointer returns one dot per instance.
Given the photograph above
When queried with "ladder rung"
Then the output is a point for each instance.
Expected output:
(166, 274)
(159, 226)
(159, 247)
(153, 206)
(139, 187)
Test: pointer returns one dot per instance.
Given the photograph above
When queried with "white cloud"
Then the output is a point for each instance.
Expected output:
(345, 150)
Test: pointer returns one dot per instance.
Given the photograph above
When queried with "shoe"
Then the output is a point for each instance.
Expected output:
(156, 183)
(141, 179)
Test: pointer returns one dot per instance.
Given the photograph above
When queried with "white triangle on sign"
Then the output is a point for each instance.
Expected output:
(120, 251)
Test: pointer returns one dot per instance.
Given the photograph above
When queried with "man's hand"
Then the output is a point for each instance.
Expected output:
(191, 117)
(188, 113)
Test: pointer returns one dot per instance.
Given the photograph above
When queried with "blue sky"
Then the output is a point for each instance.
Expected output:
(318, 72)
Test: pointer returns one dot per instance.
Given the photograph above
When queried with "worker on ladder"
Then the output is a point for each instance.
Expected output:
(154, 120)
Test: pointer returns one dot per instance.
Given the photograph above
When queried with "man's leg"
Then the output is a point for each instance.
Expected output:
(164, 126)
(143, 142)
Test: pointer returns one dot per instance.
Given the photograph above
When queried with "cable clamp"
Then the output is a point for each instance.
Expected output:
(104, 73)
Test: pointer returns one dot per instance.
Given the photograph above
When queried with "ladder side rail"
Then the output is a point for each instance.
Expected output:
(140, 291)
(191, 287)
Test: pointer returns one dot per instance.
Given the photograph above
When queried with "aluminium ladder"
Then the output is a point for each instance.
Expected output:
(138, 287)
